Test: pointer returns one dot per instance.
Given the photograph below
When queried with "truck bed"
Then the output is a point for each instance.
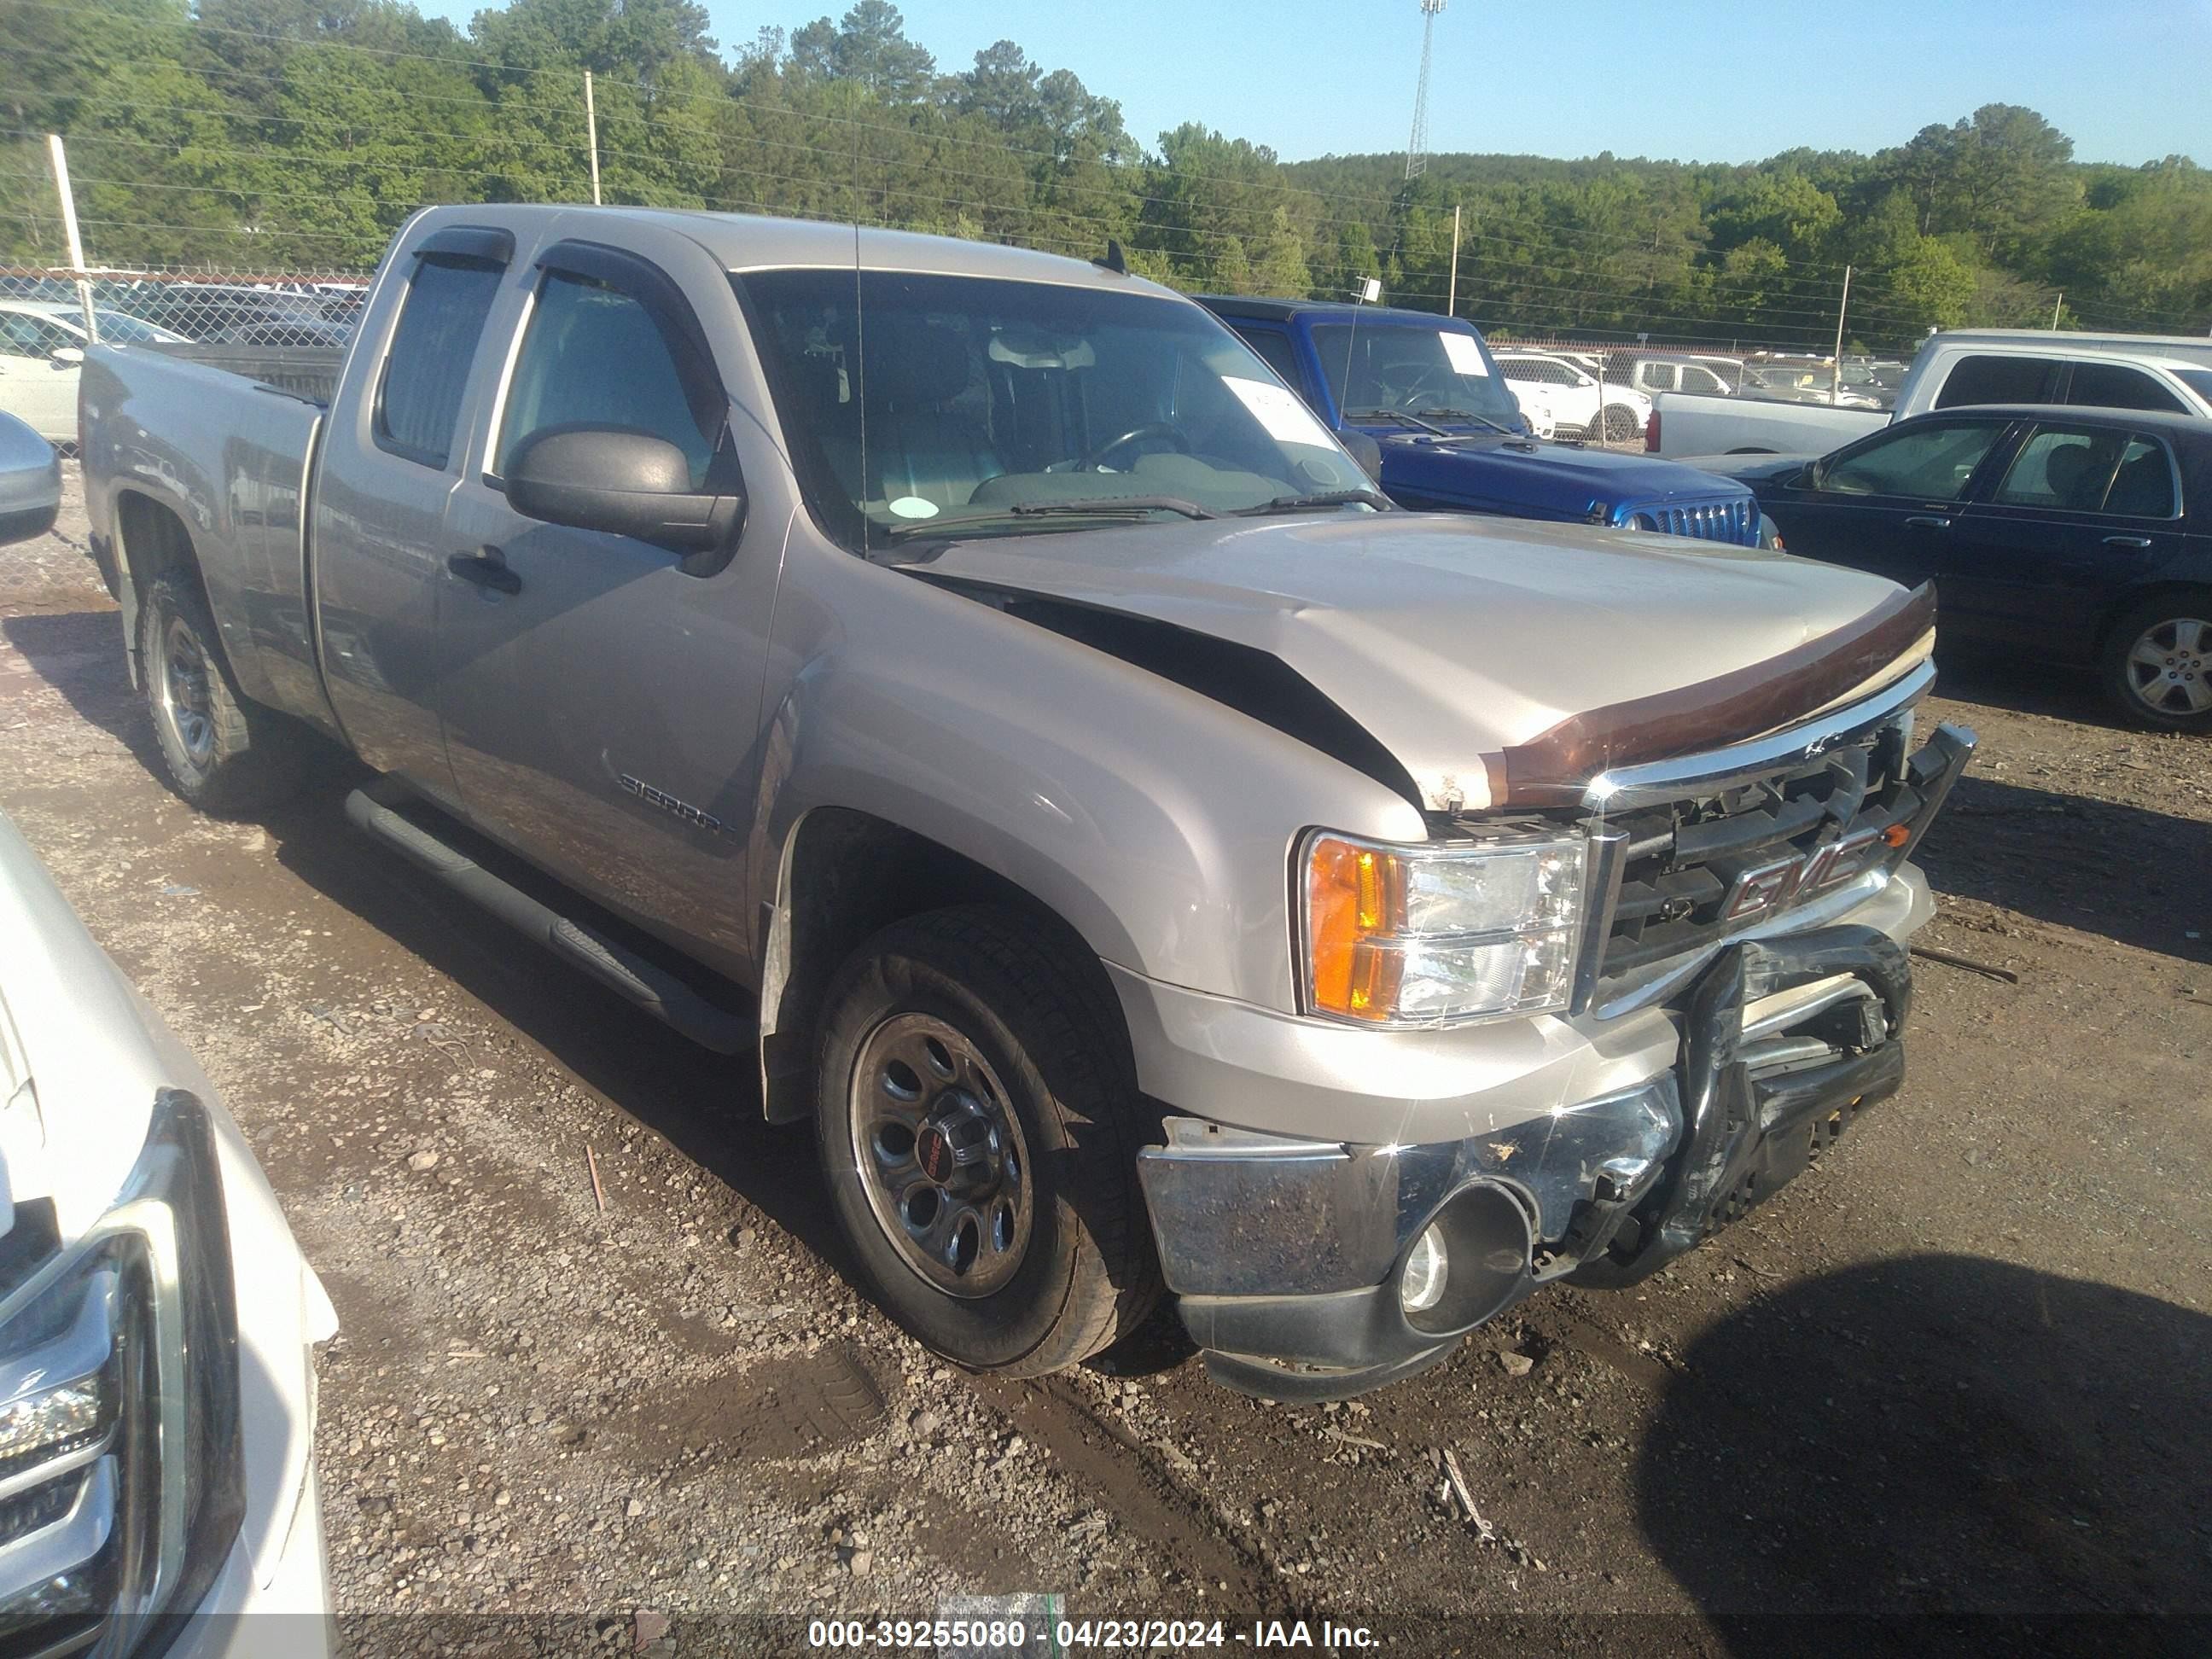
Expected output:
(227, 453)
(1700, 423)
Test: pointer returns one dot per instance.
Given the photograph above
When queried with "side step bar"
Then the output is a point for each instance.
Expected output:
(650, 987)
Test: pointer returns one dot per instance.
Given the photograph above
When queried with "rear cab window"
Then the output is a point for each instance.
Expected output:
(426, 372)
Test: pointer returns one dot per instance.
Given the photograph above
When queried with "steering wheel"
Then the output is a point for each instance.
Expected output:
(1402, 397)
(1135, 434)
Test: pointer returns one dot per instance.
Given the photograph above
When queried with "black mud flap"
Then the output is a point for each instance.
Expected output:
(1744, 1140)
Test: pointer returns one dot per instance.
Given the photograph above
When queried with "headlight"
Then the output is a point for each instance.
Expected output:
(1642, 521)
(1432, 935)
(121, 1485)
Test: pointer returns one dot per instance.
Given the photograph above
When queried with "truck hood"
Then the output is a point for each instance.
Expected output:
(1562, 479)
(1458, 644)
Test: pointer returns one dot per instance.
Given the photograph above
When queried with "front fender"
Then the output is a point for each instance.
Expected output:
(1156, 822)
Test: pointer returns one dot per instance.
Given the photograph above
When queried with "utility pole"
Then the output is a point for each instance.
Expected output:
(60, 160)
(1451, 305)
(2057, 306)
(1417, 148)
(592, 135)
(1836, 376)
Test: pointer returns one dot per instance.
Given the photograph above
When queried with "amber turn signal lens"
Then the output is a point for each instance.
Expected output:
(1352, 893)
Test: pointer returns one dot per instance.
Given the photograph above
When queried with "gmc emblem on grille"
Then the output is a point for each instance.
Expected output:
(1765, 888)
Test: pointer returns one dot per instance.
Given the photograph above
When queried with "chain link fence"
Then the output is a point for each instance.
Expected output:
(289, 328)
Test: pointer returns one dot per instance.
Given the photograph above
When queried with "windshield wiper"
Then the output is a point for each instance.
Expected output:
(1103, 506)
(1469, 415)
(1315, 503)
(1114, 504)
(1399, 414)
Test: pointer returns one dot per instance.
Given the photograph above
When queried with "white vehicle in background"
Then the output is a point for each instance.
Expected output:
(1577, 400)
(1654, 374)
(157, 1329)
(2168, 373)
(42, 355)
(1542, 424)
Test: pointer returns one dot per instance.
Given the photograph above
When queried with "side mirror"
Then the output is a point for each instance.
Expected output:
(624, 482)
(1363, 449)
(67, 356)
(30, 482)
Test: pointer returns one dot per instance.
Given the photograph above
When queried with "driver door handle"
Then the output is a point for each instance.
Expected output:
(486, 568)
(1930, 524)
(2127, 541)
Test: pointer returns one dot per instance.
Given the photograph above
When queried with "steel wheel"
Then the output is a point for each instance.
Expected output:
(940, 1154)
(2169, 667)
(183, 698)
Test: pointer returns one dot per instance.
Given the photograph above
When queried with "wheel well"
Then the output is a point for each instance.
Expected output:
(155, 539)
(851, 875)
(2135, 598)
(152, 541)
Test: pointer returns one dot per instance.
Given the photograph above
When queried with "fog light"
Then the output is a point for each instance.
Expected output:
(1422, 1285)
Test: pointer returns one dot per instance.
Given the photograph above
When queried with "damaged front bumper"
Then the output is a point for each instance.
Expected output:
(1290, 1258)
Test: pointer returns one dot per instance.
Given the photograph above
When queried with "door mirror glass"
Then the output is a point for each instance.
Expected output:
(622, 482)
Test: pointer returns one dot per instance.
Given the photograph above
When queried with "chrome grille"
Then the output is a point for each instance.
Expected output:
(1684, 860)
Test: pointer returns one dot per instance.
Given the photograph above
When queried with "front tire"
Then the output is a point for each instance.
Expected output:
(1619, 423)
(224, 755)
(975, 1118)
(2158, 661)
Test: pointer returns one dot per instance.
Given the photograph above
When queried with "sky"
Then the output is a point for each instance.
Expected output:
(2129, 81)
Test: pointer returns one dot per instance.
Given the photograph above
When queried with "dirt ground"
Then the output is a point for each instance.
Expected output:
(1960, 1369)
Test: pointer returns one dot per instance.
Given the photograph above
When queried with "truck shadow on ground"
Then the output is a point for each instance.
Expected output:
(2136, 876)
(1941, 1454)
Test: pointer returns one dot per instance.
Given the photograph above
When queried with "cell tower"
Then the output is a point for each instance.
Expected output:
(1417, 150)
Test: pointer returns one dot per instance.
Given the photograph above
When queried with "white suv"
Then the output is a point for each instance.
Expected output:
(1576, 400)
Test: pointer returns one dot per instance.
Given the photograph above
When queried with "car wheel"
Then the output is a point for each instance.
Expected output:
(1619, 423)
(975, 1116)
(2158, 661)
(223, 754)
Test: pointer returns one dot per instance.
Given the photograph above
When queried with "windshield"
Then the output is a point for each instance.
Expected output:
(2198, 380)
(1415, 371)
(987, 406)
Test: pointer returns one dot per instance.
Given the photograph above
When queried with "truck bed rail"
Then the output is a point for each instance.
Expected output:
(309, 373)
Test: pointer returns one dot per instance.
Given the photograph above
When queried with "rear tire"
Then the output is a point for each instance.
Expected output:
(2158, 661)
(224, 755)
(975, 1116)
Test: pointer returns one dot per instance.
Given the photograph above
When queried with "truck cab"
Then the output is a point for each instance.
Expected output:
(1451, 435)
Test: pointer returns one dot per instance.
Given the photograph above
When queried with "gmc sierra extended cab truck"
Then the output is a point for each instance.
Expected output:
(967, 684)
(1449, 431)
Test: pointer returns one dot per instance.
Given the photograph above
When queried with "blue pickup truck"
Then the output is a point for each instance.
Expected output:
(1426, 389)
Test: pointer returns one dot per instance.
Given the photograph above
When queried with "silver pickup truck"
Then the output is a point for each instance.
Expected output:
(967, 684)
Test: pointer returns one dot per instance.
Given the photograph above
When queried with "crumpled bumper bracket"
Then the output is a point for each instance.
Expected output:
(1745, 1137)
